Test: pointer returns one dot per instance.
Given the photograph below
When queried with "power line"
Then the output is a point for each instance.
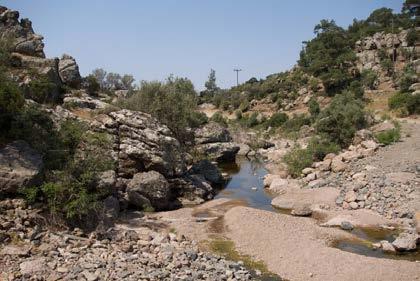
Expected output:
(237, 75)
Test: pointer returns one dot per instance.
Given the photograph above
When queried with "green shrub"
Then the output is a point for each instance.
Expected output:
(406, 103)
(412, 37)
(320, 146)
(356, 89)
(341, 119)
(172, 102)
(218, 118)
(298, 159)
(11, 104)
(41, 89)
(294, 124)
(314, 108)
(197, 119)
(276, 120)
(407, 78)
(369, 78)
(389, 136)
(252, 120)
(92, 85)
(238, 114)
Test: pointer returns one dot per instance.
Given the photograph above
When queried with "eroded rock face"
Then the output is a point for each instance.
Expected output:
(20, 166)
(151, 165)
(21, 34)
(28, 53)
(69, 71)
(214, 141)
(145, 145)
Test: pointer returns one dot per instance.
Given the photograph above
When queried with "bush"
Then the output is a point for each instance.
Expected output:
(314, 108)
(406, 103)
(252, 120)
(298, 159)
(41, 90)
(218, 118)
(341, 119)
(11, 104)
(407, 78)
(369, 79)
(294, 124)
(172, 102)
(197, 119)
(276, 120)
(389, 136)
(412, 37)
(356, 89)
(321, 146)
(71, 193)
(92, 86)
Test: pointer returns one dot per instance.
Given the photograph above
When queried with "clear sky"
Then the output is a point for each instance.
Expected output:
(152, 39)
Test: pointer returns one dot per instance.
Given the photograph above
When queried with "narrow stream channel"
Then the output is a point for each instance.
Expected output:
(246, 184)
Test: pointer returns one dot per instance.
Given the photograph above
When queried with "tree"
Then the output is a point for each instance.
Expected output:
(113, 81)
(411, 7)
(382, 17)
(211, 86)
(92, 85)
(100, 75)
(329, 56)
(127, 81)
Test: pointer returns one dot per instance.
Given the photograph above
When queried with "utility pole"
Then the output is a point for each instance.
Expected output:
(237, 76)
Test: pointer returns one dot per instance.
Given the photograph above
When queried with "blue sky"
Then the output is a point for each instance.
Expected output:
(153, 39)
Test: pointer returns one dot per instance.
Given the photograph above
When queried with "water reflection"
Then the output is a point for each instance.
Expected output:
(246, 183)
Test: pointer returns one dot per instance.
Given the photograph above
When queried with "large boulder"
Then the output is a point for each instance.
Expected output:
(208, 170)
(191, 190)
(69, 71)
(149, 187)
(210, 133)
(219, 151)
(406, 241)
(144, 144)
(20, 166)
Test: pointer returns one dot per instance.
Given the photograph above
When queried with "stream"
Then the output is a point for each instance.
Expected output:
(246, 184)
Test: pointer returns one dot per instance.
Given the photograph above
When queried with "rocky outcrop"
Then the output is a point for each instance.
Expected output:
(214, 141)
(28, 53)
(69, 71)
(145, 145)
(79, 99)
(394, 46)
(151, 165)
(20, 166)
(20, 33)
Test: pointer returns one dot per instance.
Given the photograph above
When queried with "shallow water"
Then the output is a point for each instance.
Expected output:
(246, 183)
(247, 174)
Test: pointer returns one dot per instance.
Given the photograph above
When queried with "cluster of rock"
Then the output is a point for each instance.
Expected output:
(406, 241)
(395, 47)
(28, 54)
(215, 142)
(32, 252)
